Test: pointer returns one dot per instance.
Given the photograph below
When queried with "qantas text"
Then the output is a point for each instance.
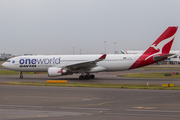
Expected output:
(40, 61)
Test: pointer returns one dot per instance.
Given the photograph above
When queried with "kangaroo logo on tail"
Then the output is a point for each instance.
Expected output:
(160, 47)
(154, 46)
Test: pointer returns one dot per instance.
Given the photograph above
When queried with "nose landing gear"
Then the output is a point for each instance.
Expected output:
(21, 76)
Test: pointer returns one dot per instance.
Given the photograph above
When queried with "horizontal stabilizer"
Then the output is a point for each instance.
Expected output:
(158, 58)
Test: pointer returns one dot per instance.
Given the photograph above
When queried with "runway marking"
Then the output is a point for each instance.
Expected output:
(35, 114)
(166, 111)
(23, 116)
(86, 99)
(95, 98)
(59, 115)
(90, 98)
(85, 108)
(100, 103)
(90, 114)
(121, 114)
(165, 104)
(76, 115)
(20, 106)
(144, 107)
(105, 103)
(99, 112)
(42, 116)
(126, 100)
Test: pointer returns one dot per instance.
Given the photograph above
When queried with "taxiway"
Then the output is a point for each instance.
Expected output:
(47, 103)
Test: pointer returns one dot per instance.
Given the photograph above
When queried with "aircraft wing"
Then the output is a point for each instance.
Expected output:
(157, 58)
(84, 64)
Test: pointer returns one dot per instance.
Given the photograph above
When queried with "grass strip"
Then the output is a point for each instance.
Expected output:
(95, 85)
(151, 75)
(9, 72)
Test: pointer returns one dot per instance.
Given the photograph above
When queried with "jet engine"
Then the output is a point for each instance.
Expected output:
(54, 72)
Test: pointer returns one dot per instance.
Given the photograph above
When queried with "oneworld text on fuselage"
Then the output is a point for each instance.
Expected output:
(33, 61)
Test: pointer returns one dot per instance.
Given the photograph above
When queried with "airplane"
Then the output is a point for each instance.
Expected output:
(122, 52)
(86, 65)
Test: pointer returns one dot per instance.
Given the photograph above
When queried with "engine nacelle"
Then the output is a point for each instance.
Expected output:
(54, 72)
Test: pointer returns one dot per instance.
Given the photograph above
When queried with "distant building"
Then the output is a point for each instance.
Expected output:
(115, 52)
(5, 56)
(28, 54)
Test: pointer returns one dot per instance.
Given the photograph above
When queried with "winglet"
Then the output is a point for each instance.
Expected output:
(102, 57)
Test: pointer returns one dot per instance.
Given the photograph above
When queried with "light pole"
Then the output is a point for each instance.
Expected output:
(114, 47)
(80, 51)
(105, 47)
(73, 50)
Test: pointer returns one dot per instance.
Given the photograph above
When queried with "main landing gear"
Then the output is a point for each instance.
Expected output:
(21, 76)
(87, 76)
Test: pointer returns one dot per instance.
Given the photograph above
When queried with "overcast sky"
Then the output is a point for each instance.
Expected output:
(56, 26)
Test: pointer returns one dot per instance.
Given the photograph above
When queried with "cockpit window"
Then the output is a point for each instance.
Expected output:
(8, 61)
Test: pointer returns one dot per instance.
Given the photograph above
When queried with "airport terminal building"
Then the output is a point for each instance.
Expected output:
(4, 56)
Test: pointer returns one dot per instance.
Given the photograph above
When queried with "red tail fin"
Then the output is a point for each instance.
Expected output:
(160, 47)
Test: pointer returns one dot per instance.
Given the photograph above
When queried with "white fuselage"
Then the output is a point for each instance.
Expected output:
(41, 63)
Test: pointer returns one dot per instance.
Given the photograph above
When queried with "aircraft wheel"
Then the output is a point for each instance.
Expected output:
(92, 76)
(87, 77)
(21, 76)
(81, 77)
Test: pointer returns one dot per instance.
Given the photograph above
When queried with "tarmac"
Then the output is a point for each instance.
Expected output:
(102, 77)
(55, 103)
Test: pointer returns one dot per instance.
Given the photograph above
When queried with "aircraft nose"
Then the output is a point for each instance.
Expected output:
(4, 64)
